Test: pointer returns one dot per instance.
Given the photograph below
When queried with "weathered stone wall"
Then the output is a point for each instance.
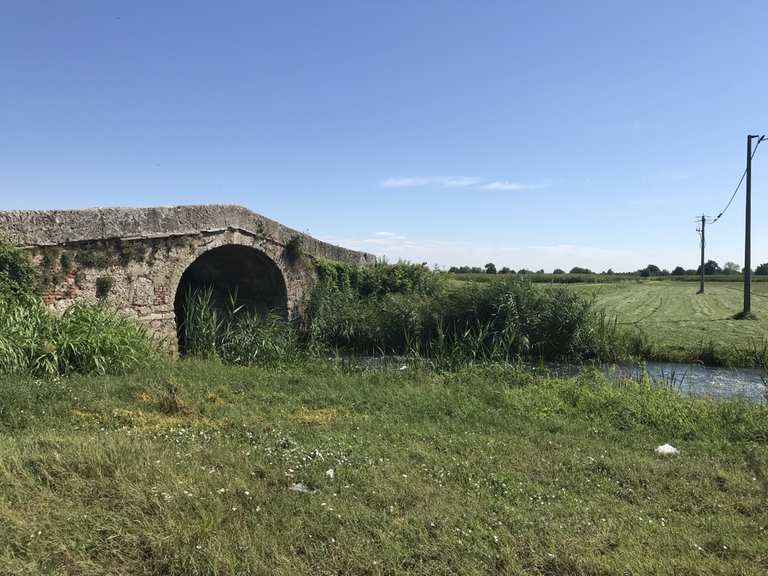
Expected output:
(135, 257)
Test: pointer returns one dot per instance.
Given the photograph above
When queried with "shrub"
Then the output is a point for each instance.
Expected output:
(294, 248)
(379, 279)
(103, 287)
(17, 274)
(515, 318)
(501, 320)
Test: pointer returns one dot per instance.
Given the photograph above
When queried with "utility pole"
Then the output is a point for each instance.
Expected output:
(748, 234)
(748, 228)
(703, 243)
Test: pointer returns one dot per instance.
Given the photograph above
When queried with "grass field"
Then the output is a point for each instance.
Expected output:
(685, 325)
(480, 471)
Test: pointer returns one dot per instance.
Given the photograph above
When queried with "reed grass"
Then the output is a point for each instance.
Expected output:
(85, 339)
(505, 320)
(234, 334)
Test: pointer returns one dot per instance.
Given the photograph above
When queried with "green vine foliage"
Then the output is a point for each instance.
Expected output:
(294, 249)
(18, 278)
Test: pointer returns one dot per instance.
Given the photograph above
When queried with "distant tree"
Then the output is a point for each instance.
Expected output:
(524, 271)
(476, 270)
(490, 268)
(578, 270)
(454, 270)
(762, 270)
(678, 271)
(711, 267)
(731, 268)
(609, 272)
(504, 270)
(558, 271)
(540, 271)
(650, 270)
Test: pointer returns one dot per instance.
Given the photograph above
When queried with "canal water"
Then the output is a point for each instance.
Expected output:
(698, 380)
(688, 379)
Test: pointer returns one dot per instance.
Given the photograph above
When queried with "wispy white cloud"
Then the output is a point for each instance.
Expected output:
(436, 181)
(511, 186)
(458, 182)
(409, 182)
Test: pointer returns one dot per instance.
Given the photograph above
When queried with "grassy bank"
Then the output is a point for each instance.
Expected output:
(477, 471)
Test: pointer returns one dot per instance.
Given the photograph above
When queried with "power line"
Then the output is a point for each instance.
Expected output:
(741, 180)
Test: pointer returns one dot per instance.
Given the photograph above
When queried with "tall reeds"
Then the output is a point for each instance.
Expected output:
(233, 333)
(86, 339)
(501, 321)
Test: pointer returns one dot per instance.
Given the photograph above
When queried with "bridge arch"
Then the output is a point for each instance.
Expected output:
(144, 252)
(232, 270)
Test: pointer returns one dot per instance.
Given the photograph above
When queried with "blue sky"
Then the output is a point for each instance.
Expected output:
(531, 134)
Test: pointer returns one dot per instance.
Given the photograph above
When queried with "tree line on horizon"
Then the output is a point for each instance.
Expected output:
(711, 267)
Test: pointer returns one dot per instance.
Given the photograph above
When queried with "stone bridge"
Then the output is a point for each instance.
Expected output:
(143, 261)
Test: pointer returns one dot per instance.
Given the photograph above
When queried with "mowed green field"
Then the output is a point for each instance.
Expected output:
(678, 320)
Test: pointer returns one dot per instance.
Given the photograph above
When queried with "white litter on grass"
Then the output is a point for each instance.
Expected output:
(403, 367)
(329, 473)
(301, 487)
(666, 450)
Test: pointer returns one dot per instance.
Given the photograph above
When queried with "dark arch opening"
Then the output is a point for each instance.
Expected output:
(232, 271)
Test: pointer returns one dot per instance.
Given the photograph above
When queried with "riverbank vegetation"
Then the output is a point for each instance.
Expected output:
(408, 310)
(425, 316)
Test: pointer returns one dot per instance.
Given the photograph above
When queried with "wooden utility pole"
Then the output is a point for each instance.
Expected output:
(703, 243)
(748, 234)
